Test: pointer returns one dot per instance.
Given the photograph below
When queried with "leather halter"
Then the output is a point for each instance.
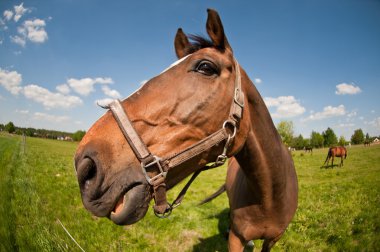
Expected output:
(162, 208)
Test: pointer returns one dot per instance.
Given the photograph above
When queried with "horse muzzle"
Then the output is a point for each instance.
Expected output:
(125, 199)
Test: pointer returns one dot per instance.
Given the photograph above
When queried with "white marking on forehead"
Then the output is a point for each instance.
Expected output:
(175, 63)
(172, 65)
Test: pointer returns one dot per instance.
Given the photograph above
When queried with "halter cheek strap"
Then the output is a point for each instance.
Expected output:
(161, 166)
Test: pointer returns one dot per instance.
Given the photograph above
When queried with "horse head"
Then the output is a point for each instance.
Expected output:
(171, 113)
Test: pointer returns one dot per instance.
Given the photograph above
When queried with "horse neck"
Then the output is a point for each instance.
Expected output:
(263, 158)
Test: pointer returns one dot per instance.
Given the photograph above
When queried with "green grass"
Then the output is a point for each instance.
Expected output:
(338, 208)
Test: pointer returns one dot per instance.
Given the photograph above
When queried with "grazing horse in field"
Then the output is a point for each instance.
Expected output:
(309, 149)
(201, 110)
(335, 152)
(367, 143)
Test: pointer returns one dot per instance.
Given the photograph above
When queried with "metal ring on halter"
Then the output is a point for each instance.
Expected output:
(166, 214)
(233, 124)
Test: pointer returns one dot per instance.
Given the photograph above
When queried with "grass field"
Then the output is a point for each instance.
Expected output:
(339, 209)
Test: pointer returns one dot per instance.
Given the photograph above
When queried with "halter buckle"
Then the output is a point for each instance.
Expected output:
(156, 161)
(239, 97)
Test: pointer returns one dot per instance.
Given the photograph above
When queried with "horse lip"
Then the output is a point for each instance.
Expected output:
(135, 203)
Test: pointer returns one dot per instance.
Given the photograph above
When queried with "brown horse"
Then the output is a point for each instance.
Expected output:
(207, 110)
(335, 152)
(309, 149)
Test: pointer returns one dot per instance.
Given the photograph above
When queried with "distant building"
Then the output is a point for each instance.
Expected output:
(376, 141)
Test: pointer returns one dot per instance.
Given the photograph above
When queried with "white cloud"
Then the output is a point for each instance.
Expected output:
(345, 125)
(49, 99)
(63, 89)
(8, 15)
(111, 93)
(24, 112)
(11, 81)
(344, 88)
(257, 81)
(86, 85)
(375, 122)
(18, 40)
(19, 12)
(3, 26)
(352, 114)
(103, 102)
(34, 30)
(286, 106)
(327, 112)
(50, 118)
(31, 30)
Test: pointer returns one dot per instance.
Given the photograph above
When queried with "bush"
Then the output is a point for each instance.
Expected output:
(77, 136)
(10, 127)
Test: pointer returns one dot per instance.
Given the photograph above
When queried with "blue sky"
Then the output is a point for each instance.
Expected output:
(316, 63)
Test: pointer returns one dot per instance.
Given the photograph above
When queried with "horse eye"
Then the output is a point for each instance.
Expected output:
(206, 68)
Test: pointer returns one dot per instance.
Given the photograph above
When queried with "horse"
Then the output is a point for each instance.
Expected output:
(335, 152)
(308, 149)
(367, 143)
(207, 111)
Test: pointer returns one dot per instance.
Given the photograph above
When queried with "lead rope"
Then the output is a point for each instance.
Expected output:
(221, 160)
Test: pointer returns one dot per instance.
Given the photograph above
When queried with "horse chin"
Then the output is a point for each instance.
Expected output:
(132, 206)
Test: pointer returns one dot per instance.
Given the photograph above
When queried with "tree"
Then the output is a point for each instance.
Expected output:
(30, 132)
(357, 137)
(286, 131)
(342, 141)
(299, 143)
(10, 127)
(316, 140)
(1, 127)
(329, 137)
(367, 138)
(77, 136)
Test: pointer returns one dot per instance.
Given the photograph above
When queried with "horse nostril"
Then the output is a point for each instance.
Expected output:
(91, 175)
(86, 172)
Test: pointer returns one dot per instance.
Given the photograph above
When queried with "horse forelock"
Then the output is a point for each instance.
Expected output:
(198, 42)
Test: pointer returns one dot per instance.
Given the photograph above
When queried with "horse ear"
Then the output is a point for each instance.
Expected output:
(215, 30)
(181, 44)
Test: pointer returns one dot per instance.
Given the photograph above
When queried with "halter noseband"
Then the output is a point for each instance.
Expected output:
(162, 208)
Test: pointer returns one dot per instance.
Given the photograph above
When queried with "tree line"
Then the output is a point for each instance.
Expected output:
(327, 138)
(43, 133)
